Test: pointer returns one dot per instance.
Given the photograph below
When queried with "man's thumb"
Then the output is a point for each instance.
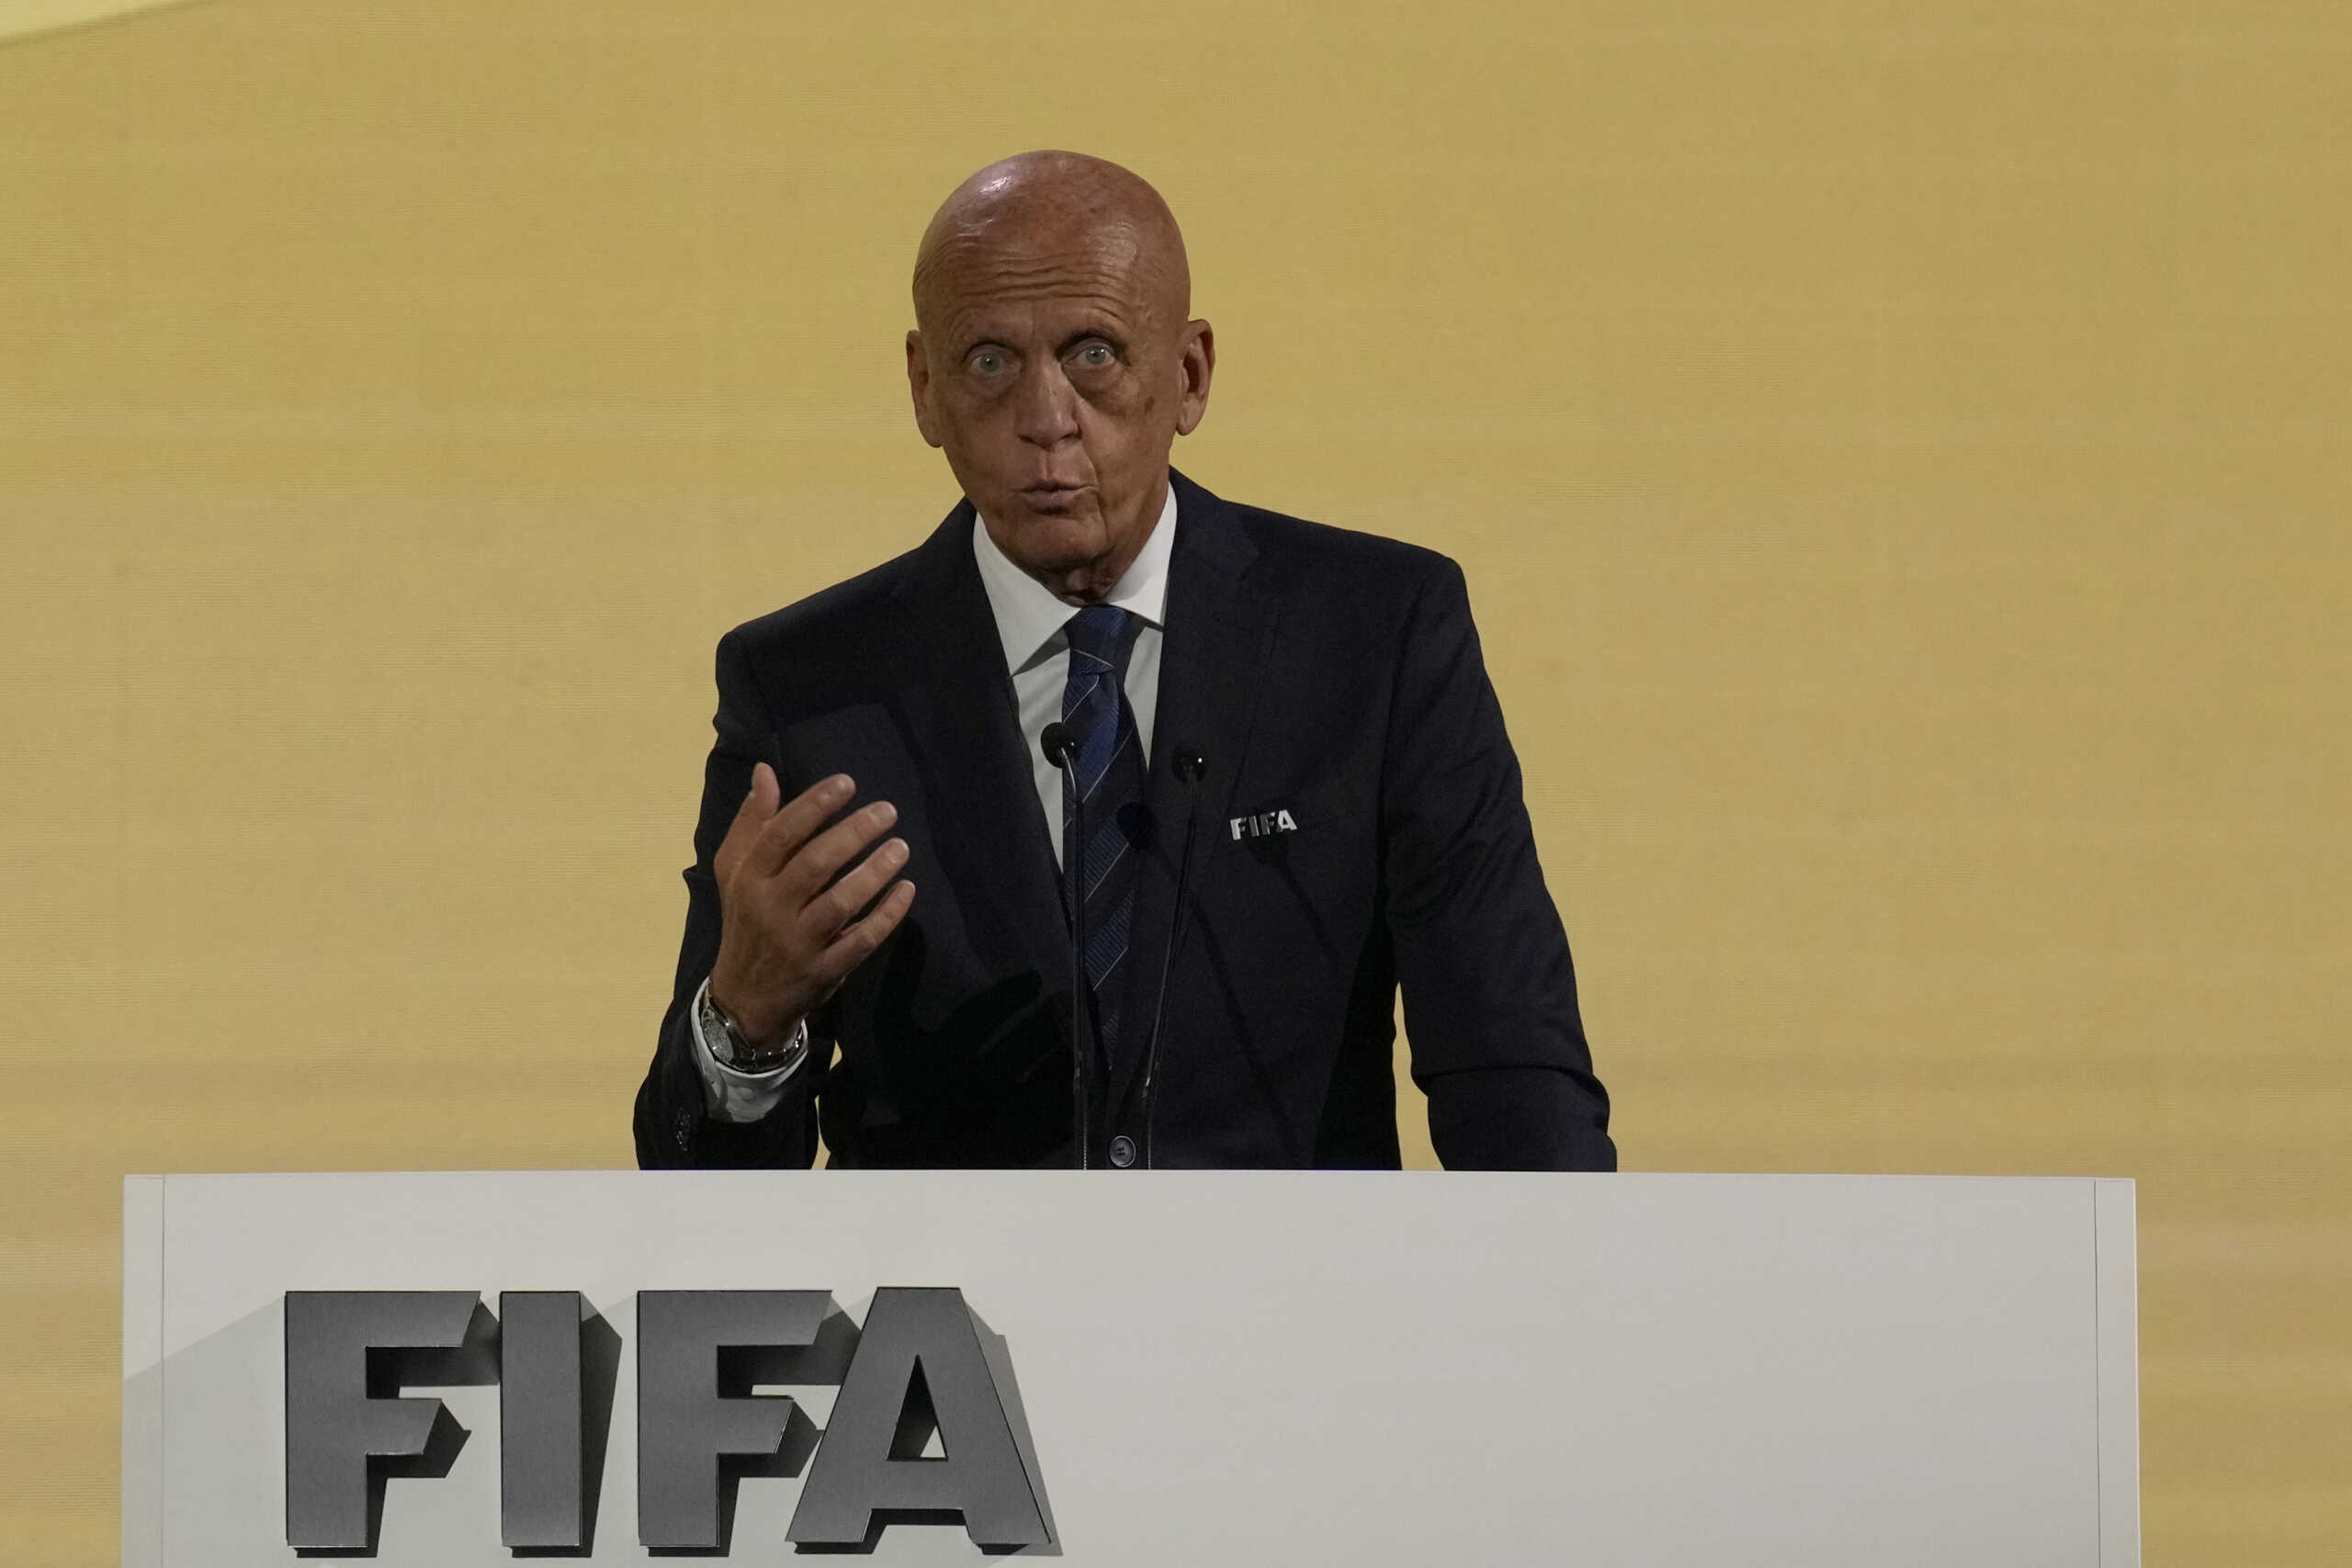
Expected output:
(766, 791)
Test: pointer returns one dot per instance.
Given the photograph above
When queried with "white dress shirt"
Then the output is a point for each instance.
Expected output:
(1029, 622)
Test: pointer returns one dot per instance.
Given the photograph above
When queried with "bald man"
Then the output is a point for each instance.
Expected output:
(1102, 827)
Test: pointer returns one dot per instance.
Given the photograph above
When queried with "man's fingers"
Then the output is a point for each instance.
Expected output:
(759, 803)
(834, 848)
(789, 829)
(853, 946)
(838, 904)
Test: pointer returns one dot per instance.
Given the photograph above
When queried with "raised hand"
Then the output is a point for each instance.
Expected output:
(789, 933)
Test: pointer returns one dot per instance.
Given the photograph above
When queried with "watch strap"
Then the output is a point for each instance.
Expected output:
(734, 1051)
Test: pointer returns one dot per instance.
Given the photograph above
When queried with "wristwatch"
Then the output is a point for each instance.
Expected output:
(733, 1051)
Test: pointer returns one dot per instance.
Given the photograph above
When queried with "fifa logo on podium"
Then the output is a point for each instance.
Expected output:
(923, 1374)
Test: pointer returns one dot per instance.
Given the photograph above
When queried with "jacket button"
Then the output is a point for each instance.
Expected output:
(1123, 1151)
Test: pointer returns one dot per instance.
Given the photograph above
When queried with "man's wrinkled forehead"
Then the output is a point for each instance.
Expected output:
(1104, 269)
(1002, 265)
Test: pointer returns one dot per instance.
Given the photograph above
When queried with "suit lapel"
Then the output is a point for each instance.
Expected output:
(965, 726)
(1218, 633)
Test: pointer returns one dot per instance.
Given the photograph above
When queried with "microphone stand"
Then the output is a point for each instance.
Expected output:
(1191, 766)
(1061, 747)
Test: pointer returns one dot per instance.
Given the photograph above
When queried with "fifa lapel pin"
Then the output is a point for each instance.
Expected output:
(1262, 824)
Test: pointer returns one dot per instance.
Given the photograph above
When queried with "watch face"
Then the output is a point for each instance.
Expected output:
(716, 1035)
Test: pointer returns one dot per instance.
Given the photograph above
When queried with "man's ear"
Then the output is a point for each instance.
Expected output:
(1197, 365)
(919, 386)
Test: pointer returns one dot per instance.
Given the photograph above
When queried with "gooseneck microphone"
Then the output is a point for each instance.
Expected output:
(1060, 745)
(1191, 766)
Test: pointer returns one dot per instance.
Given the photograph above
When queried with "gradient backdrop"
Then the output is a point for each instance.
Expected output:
(1899, 453)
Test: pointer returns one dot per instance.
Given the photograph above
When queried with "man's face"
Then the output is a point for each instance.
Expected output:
(1055, 371)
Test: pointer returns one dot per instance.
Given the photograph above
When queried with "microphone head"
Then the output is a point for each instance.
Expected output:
(1060, 745)
(1192, 764)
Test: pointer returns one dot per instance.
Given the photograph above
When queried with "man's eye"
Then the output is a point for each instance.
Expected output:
(987, 362)
(1095, 355)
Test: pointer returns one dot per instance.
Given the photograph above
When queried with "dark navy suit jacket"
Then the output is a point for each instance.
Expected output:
(1329, 674)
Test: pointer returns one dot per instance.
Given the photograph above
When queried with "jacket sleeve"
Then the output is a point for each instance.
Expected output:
(1491, 991)
(674, 1130)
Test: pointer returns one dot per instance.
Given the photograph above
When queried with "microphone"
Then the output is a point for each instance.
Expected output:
(1061, 746)
(1191, 766)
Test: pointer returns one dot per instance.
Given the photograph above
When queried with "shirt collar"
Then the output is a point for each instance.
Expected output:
(1029, 616)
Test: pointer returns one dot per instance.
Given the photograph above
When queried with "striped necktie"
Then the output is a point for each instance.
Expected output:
(1110, 773)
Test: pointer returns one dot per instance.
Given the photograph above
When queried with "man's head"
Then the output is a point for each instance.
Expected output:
(1052, 361)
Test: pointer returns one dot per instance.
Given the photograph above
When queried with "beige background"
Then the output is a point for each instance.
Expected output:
(1899, 453)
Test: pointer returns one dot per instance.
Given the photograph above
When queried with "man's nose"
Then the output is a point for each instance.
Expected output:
(1047, 412)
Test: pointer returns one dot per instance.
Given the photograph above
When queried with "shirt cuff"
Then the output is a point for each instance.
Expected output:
(730, 1094)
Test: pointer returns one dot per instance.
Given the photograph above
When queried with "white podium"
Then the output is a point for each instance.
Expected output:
(1169, 1368)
